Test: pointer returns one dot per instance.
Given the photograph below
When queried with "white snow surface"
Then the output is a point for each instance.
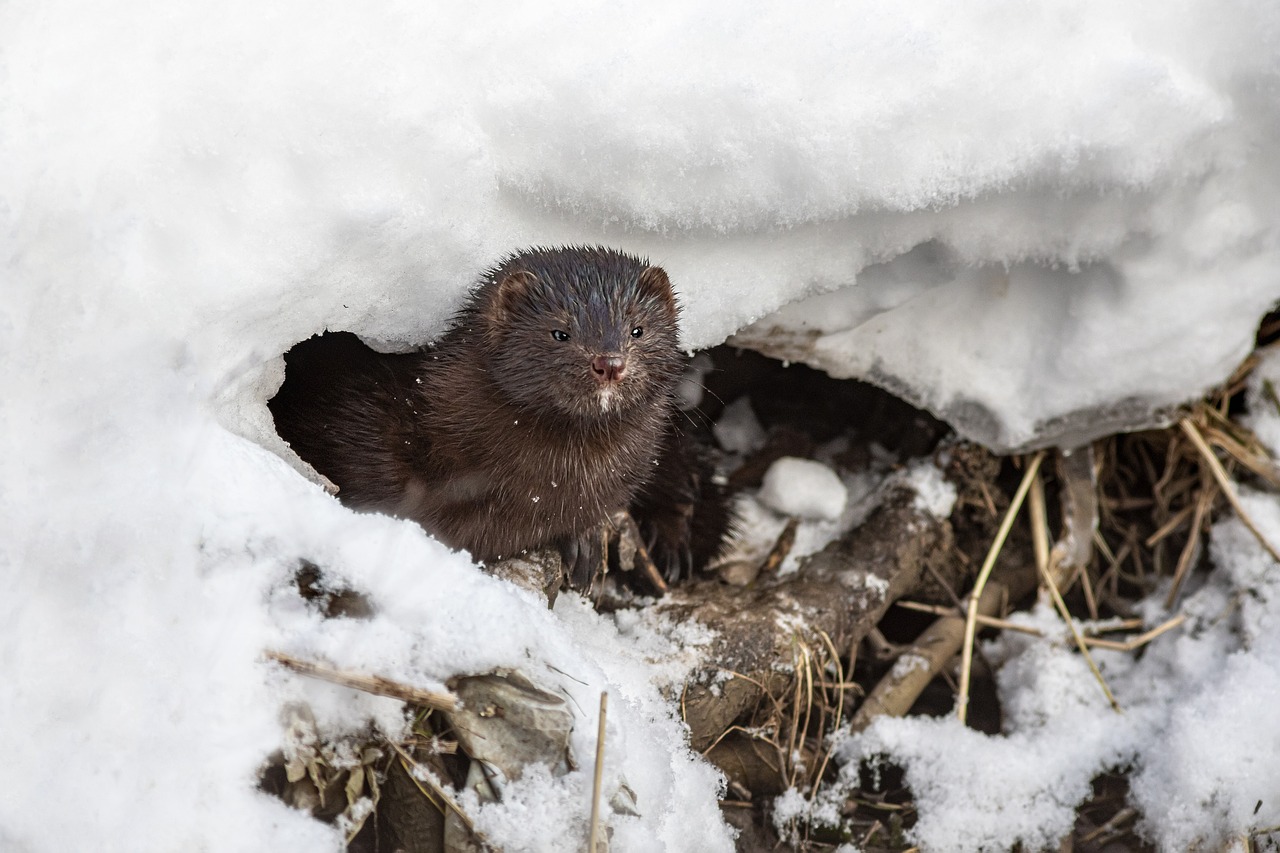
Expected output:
(934, 493)
(804, 488)
(1076, 204)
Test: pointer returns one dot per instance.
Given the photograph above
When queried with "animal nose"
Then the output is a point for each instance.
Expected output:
(608, 368)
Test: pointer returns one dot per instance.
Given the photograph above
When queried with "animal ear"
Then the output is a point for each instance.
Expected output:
(654, 282)
(513, 290)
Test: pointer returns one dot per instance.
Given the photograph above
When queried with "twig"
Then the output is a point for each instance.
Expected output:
(1205, 500)
(987, 499)
(971, 620)
(1171, 525)
(1224, 482)
(782, 547)
(1040, 532)
(374, 684)
(598, 781)
(985, 621)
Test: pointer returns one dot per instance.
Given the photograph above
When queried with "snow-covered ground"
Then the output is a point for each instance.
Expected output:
(1200, 721)
(1016, 213)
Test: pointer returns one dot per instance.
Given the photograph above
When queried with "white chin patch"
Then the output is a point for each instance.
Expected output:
(606, 399)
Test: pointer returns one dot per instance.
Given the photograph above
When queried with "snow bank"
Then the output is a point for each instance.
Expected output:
(1067, 200)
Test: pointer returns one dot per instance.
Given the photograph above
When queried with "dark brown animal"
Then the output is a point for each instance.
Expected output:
(546, 406)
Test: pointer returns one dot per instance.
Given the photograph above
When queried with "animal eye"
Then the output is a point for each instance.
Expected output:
(637, 331)
(560, 335)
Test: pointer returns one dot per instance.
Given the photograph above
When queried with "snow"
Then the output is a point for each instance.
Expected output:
(1018, 215)
(934, 494)
(738, 430)
(803, 488)
(1198, 727)
(762, 514)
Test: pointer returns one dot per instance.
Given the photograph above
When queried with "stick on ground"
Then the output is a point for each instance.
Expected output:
(374, 684)
(594, 838)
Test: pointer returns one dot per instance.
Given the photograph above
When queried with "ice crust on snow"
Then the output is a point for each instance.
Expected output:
(188, 191)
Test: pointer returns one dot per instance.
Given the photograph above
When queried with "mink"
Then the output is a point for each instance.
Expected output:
(547, 405)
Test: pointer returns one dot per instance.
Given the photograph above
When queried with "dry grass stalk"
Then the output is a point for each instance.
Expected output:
(971, 620)
(983, 619)
(839, 712)
(803, 698)
(1224, 483)
(593, 840)
(1090, 599)
(1140, 640)
(1252, 457)
(1201, 509)
(1171, 525)
(987, 499)
(374, 684)
(1090, 634)
(1122, 625)
(1114, 561)
(796, 726)
(1081, 642)
(1039, 522)
(1119, 818)
(1041, 532)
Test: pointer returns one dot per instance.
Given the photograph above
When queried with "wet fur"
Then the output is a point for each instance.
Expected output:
(497, 439)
